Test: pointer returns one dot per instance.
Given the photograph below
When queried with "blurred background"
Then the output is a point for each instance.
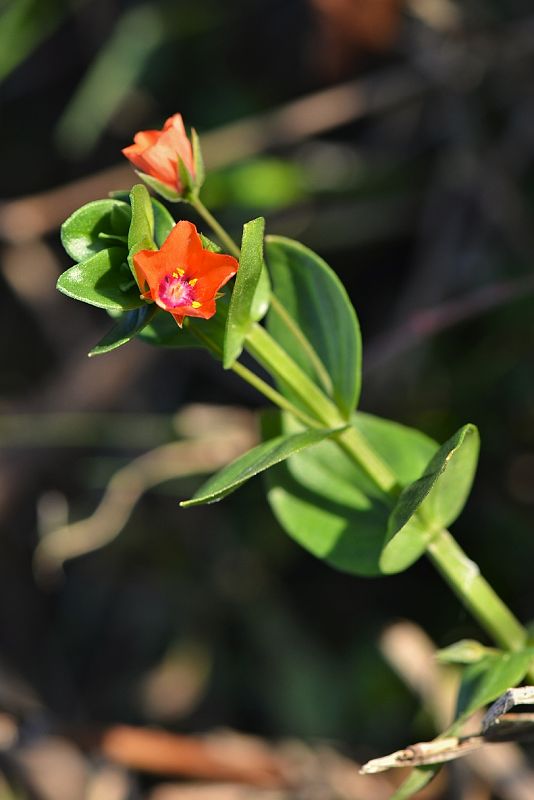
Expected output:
(394, 137)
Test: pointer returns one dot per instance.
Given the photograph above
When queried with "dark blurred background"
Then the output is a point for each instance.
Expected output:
(396, 139)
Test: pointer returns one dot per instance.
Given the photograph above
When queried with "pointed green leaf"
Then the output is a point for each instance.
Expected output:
(432, 502)
(80, 233)
(163, 220)
(186, 179)
(197, 160)
(327, 504)
(314, 297)
(257, 460)
(161, 188)
(262, 296)
(208, 244)
(484, 681)
(466, 651)
(246, 282)
(416, 780)
(97, 282)
(142, 225)
(127, 326)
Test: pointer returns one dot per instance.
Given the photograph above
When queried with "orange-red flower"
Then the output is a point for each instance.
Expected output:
(183, 278)
(156, 153)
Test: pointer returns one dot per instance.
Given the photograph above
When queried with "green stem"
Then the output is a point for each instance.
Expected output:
(464, 578)
(272, 395)
(258, 383)
(260, 344)
(304, 342)
(358, 448)
(218, 229)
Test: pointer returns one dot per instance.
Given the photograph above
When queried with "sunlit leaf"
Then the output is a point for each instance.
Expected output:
(484, 681)
(97, 282)
(327, 504)
(81, 232)
(433, 501)
(313, 296)
(257, 460)
(242, 298)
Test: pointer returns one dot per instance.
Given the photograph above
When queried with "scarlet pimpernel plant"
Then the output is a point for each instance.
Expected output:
(364, 494)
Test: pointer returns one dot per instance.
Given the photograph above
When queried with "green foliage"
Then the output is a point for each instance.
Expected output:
(466, 651)
(315, 299)
(328, 504)
(128, 325)
(488, 678)
(97, 281)
(94, 227)
(241, 309)
(416, 780)
(141, 231)
(158, 186)
(431, 502)
(198, 160)
(103, 236)
(257, 460)
(264, 182)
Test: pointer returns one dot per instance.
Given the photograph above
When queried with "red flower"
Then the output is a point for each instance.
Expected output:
(156, 153)
(183, 278)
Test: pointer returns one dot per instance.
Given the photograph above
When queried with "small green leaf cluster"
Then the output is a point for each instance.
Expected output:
(102, 237)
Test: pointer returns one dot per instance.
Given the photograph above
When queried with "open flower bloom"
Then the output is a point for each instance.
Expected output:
(156, 153)
(183, 278)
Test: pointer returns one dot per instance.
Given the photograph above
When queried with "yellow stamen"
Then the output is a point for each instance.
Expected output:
(196, 304)
(178, 273)
(193, 281)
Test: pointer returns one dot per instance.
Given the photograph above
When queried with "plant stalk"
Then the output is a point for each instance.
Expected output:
(304, 342)
(216, 227)
(464, 578)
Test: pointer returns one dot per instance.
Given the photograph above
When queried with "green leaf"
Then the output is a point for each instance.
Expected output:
(466, 651)
(262, 296)
(208, 244)
(163, 222)
(248, 275)
(97, 282)
(80, 233)
(327, 504)
(198, 160)
(161, 188)
(186, 179)
(416, 780)
(141, 232)
(314, 297)
(484, 681)
(127, 326)
(257, 460)
(432, 502)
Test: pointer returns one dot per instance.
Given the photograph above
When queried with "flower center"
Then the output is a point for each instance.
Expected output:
(175, 291)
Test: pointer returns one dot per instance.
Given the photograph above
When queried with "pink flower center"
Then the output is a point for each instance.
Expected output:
(175, 291)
